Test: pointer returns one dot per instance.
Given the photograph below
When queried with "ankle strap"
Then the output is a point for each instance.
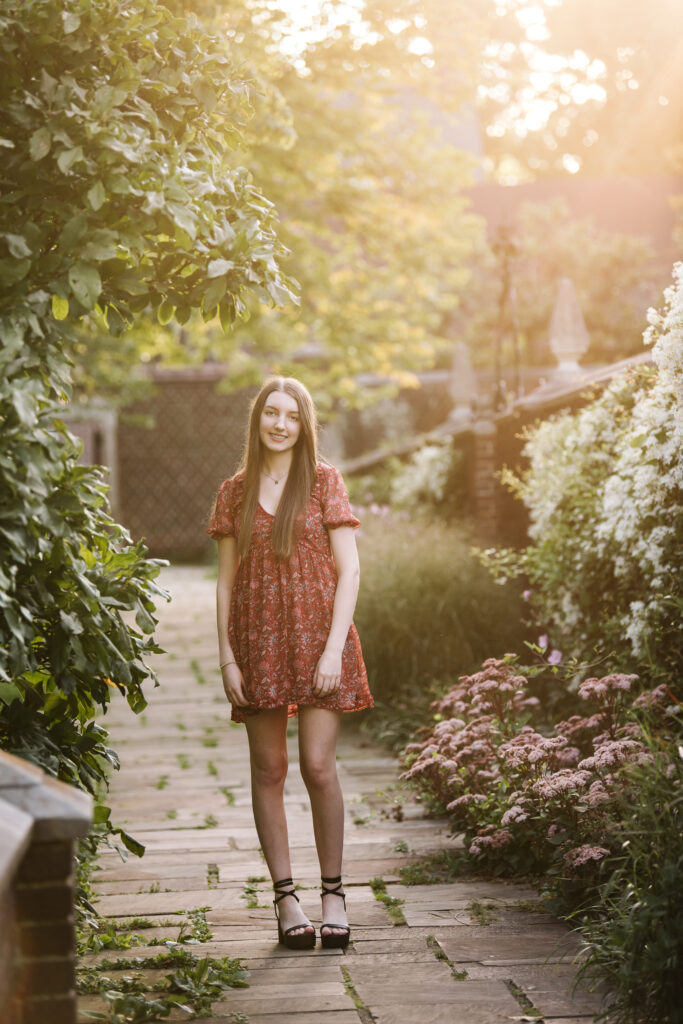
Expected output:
(282, 882)
(331, 881)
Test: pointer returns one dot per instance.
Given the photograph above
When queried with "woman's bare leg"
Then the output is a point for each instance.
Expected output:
(267, 732)
(318, 730)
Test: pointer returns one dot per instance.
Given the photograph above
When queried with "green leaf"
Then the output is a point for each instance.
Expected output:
(214, 293)
(101, 814)
(85, 283)
(60, 307)
(68, 157)
(184, 220)
(97, 195)
(71, 21)
(226, 312)
(9, 693)
(17, 246)
(73, 231)
(130, 843)
(165, 312)
(40, 143)
(219, 267)
(12, 271)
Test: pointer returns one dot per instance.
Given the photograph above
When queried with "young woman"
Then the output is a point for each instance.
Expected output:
(287, 587)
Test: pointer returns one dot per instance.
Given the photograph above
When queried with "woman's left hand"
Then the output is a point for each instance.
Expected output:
(327, 674)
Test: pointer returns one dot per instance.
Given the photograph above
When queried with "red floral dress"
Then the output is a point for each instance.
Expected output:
(281, 610)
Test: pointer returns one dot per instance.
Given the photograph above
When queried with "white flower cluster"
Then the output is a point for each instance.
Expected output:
(423, 479)
(605, 492)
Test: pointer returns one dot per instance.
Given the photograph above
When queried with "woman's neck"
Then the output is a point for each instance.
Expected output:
(277, 463)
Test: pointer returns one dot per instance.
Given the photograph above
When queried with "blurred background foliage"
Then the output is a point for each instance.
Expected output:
(369, 124)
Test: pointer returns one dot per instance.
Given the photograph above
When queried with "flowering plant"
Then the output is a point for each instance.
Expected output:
(605, 494)
(524, 800)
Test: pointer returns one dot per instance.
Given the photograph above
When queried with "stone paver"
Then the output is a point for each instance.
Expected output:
(183, 791)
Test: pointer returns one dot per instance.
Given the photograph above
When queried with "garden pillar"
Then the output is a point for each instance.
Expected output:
(484, 484)
(41, 819)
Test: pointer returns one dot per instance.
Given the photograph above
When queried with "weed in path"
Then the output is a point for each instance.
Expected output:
(162, 782)
(434, 946)
(172, 814)
(211, 769)
(522, 998)
(196, 923)
(210, 821)
(209, 741)
(193, 982)
(196, 670)
(250, 894)
(350, 989)
(212, 877)
(228, 794)
(183, 761)
(481, 913)
(392, 903)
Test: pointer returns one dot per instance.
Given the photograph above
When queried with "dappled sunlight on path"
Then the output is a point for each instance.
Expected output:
(474, 952)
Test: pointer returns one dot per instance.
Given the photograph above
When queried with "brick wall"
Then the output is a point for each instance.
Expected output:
(41, 819)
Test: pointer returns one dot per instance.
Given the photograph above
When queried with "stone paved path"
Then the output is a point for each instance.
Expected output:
(183, 790)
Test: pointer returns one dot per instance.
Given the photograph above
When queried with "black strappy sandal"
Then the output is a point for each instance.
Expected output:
(332, 940)
(304, 940)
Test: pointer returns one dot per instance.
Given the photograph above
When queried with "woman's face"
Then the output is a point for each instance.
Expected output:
(280, 423)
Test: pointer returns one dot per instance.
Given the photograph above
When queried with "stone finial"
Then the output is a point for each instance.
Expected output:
(568, 335)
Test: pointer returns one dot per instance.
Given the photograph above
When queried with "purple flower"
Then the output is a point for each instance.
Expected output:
(583, 854)
(543, 641)
(526, 595)
(555, 657)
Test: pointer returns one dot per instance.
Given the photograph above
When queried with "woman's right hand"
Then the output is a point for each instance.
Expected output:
(233, 684)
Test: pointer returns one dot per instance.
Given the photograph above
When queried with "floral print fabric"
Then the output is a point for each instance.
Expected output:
(281, 610)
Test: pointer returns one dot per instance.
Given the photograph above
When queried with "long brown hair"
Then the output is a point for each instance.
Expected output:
(302, 471)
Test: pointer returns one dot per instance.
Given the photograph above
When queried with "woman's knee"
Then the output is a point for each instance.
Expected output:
(319, 772)
(269, 772)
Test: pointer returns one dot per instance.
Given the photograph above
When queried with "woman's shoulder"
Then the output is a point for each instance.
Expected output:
(326, 472)
(234, 484)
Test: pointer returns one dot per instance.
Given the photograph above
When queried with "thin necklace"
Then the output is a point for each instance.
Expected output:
(276, 480)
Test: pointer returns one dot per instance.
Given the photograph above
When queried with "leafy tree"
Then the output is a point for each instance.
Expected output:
(343, 140)
(605, 78)
(116, 195)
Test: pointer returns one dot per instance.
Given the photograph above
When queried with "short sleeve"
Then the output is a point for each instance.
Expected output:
(222, 521)
(335, 501)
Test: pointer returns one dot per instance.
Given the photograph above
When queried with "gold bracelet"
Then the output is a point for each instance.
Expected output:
(224, 663)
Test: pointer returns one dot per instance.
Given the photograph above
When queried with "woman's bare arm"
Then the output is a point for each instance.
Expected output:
(233, 682)
(345, 554)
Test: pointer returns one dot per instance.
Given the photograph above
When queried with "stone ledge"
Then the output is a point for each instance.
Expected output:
(58, 811)
(14, 840)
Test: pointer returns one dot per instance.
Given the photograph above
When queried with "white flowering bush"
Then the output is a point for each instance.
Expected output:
(605, 495)
(428, 479)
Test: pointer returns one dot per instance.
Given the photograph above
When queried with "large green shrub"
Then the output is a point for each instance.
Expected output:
(426, 612)
(605, 495)
(115, 197)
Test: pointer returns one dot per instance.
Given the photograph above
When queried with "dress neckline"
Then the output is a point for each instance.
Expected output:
(271, 515)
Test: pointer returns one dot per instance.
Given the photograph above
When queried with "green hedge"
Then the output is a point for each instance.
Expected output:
(427, 611)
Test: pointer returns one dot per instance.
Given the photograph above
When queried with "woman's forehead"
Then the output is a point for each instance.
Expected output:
(282, 401)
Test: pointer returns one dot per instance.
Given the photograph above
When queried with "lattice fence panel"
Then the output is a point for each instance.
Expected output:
(169, 474)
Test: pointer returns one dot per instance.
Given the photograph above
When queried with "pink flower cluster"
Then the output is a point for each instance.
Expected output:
(510, 787)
